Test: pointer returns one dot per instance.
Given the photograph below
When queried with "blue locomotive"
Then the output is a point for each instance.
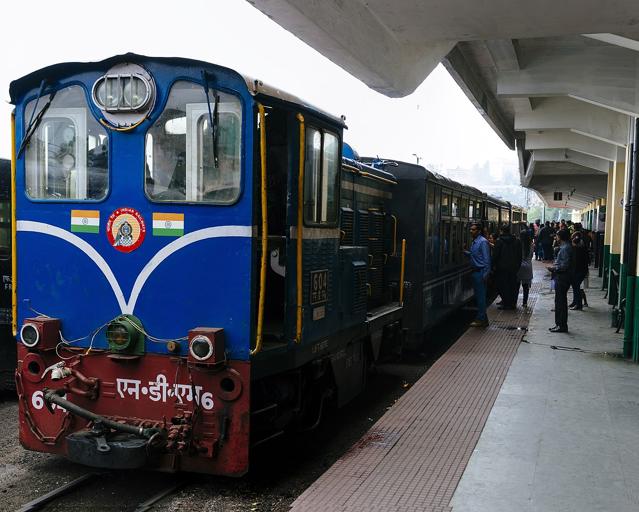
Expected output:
(196, 267)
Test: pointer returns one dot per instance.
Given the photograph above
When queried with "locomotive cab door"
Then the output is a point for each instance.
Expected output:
(277, 164)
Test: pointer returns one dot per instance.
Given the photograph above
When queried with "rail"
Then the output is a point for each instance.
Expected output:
(260, 310)
(14, 250)
(401, 274)
(394, 235)
(300, 228)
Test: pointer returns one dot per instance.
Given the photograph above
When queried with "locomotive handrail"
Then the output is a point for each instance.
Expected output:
(260, 310)
(394, 235)
(401, 274)
(14, 261)
(300, 222)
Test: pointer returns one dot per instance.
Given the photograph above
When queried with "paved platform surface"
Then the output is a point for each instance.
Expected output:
(563, 434)
(413, 457)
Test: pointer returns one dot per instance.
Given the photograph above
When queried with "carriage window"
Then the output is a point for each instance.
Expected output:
(445, 203)
(320, 177)
(192, 151)
(454, 206)
(67, 155)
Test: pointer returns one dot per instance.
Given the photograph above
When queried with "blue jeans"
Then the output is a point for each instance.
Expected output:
(479, 285)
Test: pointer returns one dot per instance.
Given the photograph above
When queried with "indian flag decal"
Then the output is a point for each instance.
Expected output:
(85, 221)
(168, 224)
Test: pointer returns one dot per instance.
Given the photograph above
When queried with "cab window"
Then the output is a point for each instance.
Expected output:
(193, 151)
(321, 174)
(67, 155)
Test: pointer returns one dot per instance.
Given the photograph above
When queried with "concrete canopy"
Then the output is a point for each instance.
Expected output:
(567, 69)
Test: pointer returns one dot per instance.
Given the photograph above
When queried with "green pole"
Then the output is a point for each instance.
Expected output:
(635, 321)
(605, 266)
(613, 283)
(630, 319)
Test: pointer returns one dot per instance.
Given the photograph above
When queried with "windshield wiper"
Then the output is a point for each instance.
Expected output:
(213, 116)
(35, 119)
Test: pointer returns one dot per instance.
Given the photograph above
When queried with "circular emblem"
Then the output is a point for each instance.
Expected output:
(126, 229)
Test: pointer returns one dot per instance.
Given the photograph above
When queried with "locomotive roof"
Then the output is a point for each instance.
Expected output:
(55, 71)
(370, 169)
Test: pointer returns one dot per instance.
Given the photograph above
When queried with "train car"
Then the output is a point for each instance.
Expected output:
(7, 341)
(184, 287)
(434, 217)
(519, 217)
(497, 213)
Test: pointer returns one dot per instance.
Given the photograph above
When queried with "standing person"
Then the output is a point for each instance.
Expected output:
(525, 273)
(563, 272)
(545, 240)
(582, 261)
(480, 262)
(538, 252)
(506, 263)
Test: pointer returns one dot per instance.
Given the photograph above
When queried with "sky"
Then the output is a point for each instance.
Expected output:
(437, 122)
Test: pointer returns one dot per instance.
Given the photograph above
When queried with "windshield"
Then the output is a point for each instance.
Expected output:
(192, 155)
(67, 155)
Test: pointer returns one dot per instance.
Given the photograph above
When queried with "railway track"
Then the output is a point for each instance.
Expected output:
(83, 481)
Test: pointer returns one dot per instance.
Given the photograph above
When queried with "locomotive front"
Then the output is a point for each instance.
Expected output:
(133, 299)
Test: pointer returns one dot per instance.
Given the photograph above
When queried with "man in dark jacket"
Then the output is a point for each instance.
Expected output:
(582, 260)
(506, 263)
(563, 270)
(545, 239)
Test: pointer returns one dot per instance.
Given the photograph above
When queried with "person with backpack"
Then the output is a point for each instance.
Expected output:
(507, 257)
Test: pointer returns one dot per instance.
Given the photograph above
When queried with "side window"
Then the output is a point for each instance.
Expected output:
(321, 174)
(67, 155)
(463, 210)
(445, 233)
(430, 235)
(445, 202)
(193, 151)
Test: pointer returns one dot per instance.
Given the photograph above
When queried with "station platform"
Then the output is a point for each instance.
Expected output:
(512, 417)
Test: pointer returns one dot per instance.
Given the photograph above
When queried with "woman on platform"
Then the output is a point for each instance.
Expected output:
(525, 273)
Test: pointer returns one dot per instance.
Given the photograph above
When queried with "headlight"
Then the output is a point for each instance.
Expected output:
(125, 94)
(118, 336)
(201, 348)
(107, 93)
(122, 92)
(29, 335)
(125, 333)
